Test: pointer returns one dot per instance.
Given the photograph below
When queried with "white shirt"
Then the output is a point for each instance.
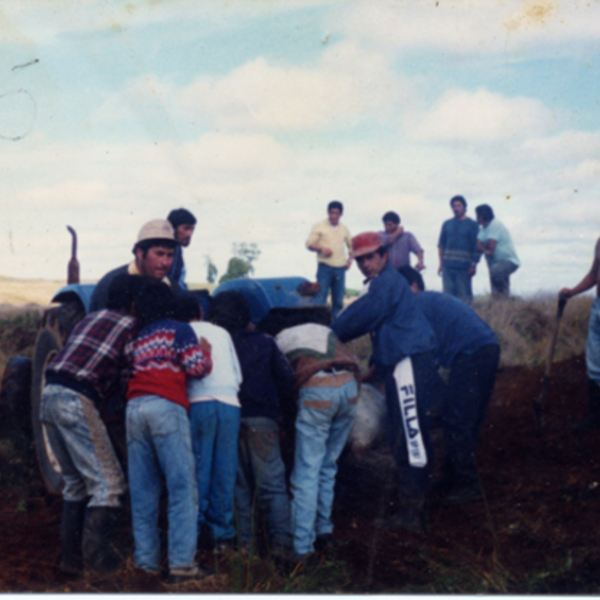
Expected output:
(223, 382)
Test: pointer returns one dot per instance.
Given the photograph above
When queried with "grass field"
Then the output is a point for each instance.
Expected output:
(523, 325)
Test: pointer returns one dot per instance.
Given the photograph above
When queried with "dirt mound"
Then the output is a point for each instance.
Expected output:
(536, 532)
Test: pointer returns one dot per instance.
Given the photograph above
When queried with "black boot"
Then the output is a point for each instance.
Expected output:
(412, 513)
(71, 533)
(592, 421)
(463, 492)
(99, 554)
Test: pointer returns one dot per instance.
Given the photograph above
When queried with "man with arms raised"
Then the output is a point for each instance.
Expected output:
(404, 357)
(327, 239)
(458, 251)
(153, 251)
(592, 351)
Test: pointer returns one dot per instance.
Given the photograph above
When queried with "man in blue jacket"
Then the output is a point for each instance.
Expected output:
(469, 348)
(404, 357)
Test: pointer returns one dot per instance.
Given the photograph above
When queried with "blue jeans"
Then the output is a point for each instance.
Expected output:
(592, 350)
(458, 282)
(159, 444)
(261, 482)
(82, 447)
(215, 429)
(334, 279)
(325, 418)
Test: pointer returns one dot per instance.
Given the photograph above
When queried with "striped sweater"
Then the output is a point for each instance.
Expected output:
(313, 349)
(165, 354)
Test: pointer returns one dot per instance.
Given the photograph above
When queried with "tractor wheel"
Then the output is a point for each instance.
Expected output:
(15, 407)
(46, 348)
(56, 325)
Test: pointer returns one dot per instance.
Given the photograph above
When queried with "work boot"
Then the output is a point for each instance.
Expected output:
(99, 554)
(412, 513)
(185, 574)
(324, 542)
(412, 521)
(223, 546)
(71, 533)
(592, 421)
(463, 494)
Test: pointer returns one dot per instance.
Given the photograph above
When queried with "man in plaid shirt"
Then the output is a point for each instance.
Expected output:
(93, 366)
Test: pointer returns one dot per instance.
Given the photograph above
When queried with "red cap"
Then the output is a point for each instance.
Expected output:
(365, 243)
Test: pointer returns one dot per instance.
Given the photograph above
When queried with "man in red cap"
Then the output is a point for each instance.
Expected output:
(404, 357)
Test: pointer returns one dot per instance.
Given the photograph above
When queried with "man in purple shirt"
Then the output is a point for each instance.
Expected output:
(399, 243)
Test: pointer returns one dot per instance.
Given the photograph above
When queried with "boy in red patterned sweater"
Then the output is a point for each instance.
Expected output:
(159, 444)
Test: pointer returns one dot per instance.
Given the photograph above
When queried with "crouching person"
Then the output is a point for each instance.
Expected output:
(159, 443)
(93, 366)
(469, 348)
(327, 376)
(266, 377)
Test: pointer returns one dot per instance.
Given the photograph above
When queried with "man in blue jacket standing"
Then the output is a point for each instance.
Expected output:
(404, 357)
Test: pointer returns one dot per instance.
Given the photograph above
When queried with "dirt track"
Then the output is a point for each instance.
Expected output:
(536, 534)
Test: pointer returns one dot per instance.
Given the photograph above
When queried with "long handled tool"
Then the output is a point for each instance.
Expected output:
(539, 403)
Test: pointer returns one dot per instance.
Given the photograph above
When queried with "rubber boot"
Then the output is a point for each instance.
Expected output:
(463, 492)
(412, 513)
(592, 421)
(99, 554)
(71, 533)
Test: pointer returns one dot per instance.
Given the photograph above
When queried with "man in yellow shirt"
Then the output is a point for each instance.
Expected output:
(327, 239)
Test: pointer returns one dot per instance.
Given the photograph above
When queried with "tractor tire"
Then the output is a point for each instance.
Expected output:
(55, 328)
(47, 347)
(15, 403)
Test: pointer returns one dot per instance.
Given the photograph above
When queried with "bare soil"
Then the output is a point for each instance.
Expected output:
(536, 531)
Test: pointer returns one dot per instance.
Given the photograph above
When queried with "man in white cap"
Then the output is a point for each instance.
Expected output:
(153, 251)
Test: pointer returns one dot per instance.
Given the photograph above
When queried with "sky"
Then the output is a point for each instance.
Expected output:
(254, 114)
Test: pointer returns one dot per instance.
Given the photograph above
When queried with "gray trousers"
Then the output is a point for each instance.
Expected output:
(500, 277)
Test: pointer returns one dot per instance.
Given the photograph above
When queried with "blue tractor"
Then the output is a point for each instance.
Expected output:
(24, 380)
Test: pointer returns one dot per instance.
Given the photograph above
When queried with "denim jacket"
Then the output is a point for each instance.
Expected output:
(387, 310)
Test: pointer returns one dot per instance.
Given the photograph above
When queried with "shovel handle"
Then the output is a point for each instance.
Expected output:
(539, 402)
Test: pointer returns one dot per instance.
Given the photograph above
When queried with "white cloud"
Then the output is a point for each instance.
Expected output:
(483, 116)
(470, 26)
(46, 20)
(348, 83)
(566, 147)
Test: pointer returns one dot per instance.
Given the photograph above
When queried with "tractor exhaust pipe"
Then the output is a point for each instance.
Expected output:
(73, 267)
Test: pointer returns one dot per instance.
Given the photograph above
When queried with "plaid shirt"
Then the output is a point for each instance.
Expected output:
(98, 355)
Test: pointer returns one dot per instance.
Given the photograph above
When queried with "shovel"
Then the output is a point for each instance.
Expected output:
(539, 403)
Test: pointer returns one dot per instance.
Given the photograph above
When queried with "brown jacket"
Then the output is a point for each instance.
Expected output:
(312, 348)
